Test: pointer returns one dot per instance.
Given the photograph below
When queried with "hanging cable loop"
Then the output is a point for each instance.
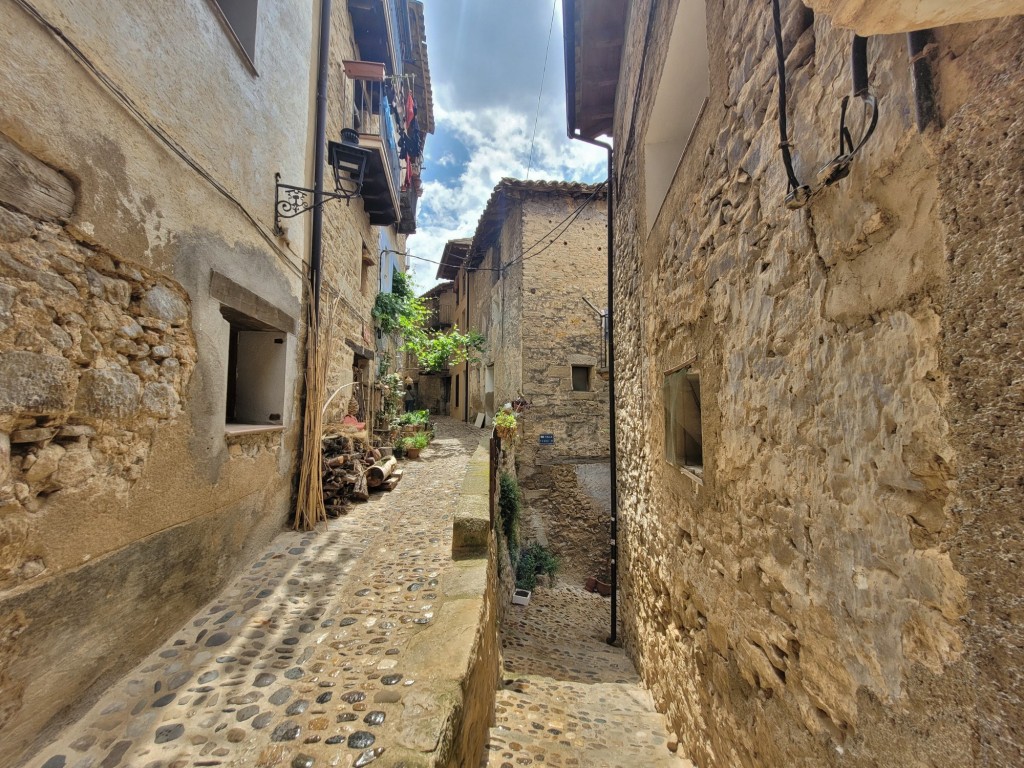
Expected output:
(798, 195)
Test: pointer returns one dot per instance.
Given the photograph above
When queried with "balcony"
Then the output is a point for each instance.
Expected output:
(379, 28)
(407, 226)
(382, 183)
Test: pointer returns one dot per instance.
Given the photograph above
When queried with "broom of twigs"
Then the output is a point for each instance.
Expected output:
(309, 508)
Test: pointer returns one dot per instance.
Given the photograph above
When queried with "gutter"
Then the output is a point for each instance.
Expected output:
(320, 146)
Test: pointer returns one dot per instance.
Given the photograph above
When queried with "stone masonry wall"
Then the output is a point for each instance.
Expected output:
(838, 590)
(96, 354)
(560, 330)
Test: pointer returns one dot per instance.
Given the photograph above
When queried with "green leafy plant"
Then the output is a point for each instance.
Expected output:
(533, 561)
(400, 311)
(437, 350)
(505, 423)
(510, 510)
(417, 418)
(391, 397)
(419, 441)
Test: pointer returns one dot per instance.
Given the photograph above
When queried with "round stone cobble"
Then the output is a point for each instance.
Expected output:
(329, 609)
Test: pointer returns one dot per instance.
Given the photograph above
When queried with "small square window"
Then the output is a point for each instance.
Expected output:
(257, 364)
(683, 440)
(581, 378)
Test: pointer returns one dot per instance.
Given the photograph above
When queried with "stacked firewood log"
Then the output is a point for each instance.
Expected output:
(352, 469)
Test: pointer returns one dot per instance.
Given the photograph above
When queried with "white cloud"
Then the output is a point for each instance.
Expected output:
(497, 140)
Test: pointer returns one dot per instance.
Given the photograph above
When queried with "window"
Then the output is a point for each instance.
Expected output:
(683, 444)
(257, 361)
(240, 16)
(682, 93)
(581, 378)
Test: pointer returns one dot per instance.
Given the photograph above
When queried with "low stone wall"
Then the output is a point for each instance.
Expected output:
(445, 724)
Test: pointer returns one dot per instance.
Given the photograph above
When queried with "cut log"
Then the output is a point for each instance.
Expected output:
(391, 482)
(336, 461)
(361, 491)
(380, 472)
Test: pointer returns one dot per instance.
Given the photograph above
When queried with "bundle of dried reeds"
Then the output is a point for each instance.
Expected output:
(309, 509)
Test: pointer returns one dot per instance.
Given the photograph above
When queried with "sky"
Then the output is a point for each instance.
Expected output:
(487, 58)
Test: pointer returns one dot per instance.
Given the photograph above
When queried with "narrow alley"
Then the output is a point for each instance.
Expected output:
(568, 698)
(308, 658)
(349, 347)
(304, 659)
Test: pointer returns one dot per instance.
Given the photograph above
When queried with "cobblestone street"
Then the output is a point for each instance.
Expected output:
(569, 698)
(302, 659)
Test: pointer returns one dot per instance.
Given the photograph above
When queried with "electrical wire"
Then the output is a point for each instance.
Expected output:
(543, 73)
(784, 144)
(568, 221)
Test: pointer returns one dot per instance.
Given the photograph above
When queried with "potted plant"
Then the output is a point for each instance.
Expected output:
(413, 444)
(505, 424)
(600, 584)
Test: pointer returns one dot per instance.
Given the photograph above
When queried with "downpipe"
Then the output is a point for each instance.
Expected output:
(613, 540)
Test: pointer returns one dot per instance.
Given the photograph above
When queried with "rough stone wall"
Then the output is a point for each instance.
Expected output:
(980, 152)
(123, 503)
(497, 310)
(348, 236)
(569, 503)
(836, 588)
(96, 355)
(560, 330)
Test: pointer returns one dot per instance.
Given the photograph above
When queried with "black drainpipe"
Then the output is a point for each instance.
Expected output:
(465, 384)
(320, 145)
(614, 553)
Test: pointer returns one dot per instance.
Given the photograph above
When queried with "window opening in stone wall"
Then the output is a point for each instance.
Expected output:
(682, 93)
(581, 378)
(257, 363)
(683, 439)
(241, 17)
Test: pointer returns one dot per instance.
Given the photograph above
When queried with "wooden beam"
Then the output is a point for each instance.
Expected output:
(33, 187)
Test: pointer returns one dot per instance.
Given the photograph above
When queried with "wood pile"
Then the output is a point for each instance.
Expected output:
(351, 469)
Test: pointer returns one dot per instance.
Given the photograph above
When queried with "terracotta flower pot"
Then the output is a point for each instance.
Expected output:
(590, 584)
(603, 589)
(413, 453)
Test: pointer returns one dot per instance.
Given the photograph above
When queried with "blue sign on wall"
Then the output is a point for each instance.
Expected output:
(547, 439)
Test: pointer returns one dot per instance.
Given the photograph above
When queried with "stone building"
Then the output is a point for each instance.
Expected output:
(380, 88)
(152, 313)
(532, 281)
(819, 414)
(433, 388)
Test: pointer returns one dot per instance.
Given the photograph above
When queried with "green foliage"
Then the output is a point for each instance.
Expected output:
(510, 510)
(419, 441)
(415, 417)
(437, 350)
(391, 397)
(400, 311)
(533, 561)
(505, 421)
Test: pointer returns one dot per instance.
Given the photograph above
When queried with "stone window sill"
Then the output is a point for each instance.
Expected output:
(693, 473)
(240, 430)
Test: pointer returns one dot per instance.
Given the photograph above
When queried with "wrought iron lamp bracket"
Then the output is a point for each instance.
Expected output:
(291, 201)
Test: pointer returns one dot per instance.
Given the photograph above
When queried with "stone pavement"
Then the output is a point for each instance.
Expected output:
(301, 660)
(569, 698)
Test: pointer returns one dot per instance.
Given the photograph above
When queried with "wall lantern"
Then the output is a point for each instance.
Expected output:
(348, 164)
